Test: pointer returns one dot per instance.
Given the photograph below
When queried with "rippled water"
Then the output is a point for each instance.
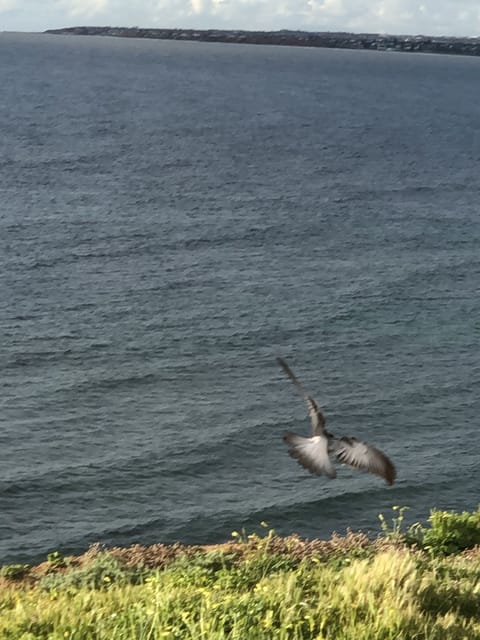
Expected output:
(176, 215)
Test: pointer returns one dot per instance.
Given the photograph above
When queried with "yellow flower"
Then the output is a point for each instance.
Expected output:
(268, 619)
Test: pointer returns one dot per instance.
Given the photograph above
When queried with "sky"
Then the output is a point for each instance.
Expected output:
(428, 17)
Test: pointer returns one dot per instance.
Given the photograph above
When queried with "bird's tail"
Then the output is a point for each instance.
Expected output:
(300, 388)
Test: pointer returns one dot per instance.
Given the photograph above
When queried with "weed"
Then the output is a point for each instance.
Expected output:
(394, 531)
(55, 559)
(14, 571)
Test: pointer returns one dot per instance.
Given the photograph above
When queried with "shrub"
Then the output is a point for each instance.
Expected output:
(101, 573)
(449, 532)
(14, 571)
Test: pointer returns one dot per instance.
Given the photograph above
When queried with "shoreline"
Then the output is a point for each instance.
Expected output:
(329, 40)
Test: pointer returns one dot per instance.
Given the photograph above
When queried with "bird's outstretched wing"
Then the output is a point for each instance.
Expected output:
(311, 453)
(316, 416)
(365, 456)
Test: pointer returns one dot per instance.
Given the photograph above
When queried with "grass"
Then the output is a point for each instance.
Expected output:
(410, 585)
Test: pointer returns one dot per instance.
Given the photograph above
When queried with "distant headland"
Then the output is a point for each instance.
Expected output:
(327, 39)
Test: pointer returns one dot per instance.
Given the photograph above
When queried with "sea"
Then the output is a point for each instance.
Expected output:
(175, 216)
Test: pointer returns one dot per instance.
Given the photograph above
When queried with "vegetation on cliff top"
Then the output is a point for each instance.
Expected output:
(420, 583)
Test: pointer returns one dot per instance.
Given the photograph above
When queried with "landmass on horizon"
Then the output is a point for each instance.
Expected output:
(333, 40)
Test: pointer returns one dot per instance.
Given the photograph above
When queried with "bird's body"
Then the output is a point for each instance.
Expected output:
(315, 452)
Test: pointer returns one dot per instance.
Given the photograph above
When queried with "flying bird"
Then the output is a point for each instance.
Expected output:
(316, 452)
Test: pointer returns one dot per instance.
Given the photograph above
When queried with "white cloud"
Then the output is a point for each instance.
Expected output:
(85, 8)
(201, 7)
(331, 7)
(7, 5)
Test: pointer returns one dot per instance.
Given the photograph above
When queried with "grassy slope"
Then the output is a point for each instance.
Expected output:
(271, 587)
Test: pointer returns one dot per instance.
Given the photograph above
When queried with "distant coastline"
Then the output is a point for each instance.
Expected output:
(331, 40)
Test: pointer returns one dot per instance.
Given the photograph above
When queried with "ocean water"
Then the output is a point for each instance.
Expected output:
(173, 217)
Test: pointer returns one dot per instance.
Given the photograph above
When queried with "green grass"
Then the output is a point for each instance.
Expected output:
(405, 585)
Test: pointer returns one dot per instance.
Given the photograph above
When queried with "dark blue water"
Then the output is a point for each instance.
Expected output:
(176, 215)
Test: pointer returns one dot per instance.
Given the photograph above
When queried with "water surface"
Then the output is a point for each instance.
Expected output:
(176, 215)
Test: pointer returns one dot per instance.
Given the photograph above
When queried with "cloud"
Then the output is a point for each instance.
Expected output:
(86, 8)
(461, 17)
(7, 5)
